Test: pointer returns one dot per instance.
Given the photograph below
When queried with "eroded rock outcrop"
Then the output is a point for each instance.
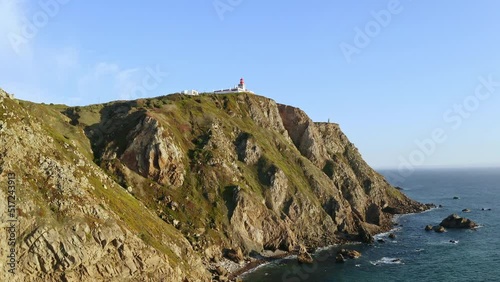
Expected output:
(352, 254)
(152, 153)
(371, 198)
(248, 150)
(457, 222)
(304, 257)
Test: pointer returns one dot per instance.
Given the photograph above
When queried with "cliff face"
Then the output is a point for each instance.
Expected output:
(371, 199)
(156, 188)
(75, 223)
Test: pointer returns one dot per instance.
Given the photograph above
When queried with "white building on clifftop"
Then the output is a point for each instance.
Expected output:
(236, 89)
(190, 92)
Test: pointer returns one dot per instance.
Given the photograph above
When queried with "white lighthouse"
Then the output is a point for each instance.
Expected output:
(237, 89)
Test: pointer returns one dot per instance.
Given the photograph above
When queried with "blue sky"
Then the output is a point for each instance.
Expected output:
(412, 73)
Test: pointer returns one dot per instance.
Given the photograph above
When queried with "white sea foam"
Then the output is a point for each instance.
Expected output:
(326, 248)
(397, 217)
(274, 263)
(386, 234)
(386, 260)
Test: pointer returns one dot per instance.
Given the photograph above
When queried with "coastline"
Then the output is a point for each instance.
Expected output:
(410, 253)
(269, 257)
(258, 262)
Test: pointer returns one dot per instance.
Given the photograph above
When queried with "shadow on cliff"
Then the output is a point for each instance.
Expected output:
(116, 121)
(229, 195)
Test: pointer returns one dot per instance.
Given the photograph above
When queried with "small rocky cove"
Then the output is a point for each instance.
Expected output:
(343, 255)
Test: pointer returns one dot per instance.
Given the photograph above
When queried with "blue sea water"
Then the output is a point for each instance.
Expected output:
(417, 255)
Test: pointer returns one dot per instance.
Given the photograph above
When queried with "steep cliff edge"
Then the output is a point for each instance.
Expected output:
(157, 188)
(369, 195)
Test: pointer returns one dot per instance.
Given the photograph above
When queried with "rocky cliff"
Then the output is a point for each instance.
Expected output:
(155, 189)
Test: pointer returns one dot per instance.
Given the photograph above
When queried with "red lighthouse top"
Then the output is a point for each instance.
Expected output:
(242, 81)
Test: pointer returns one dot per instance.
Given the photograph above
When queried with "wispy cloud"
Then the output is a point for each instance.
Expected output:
(12, 19)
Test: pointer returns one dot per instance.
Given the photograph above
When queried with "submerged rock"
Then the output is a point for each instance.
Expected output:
(340, 258)
(396, 260)
(429, 227)
(352, 254)
(305, 258)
